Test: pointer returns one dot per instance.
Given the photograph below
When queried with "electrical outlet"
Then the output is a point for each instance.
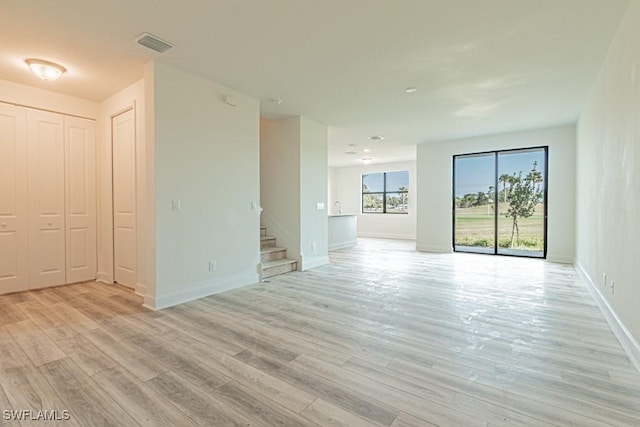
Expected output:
(313, 248)
(212, 265)
(612, 286)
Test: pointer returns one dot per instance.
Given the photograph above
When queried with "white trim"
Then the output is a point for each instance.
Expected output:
(104, 278)
(388, 236)
(141, 289)
(342, 245)
(434, 249)
(313, 262)
(627, 340)
(201, 290)
(559, 259)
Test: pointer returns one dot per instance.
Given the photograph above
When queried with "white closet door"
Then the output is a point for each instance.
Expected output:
(13, 200)
(80, 199)
(124, 198)
(46, 199)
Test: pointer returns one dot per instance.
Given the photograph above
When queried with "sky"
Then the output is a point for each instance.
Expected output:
(477, 172)
(395, 180)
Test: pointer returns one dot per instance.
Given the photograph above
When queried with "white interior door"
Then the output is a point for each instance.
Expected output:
(13, 199)
(46, 199)
(80, 199)
(124, 198)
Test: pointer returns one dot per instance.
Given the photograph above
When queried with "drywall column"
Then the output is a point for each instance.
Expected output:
(293, 189)
(206, 186)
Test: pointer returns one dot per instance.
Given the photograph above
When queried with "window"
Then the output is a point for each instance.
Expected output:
(385, 192)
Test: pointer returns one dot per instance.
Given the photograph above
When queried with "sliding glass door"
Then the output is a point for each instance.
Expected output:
(499, 202)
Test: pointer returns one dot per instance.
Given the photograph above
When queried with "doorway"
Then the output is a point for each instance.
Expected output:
(124, 198)
(500, 202)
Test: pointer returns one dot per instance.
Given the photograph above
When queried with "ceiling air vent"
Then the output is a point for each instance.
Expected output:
(153, 43)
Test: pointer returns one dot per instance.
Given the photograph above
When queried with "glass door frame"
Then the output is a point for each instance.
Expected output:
(496, 153)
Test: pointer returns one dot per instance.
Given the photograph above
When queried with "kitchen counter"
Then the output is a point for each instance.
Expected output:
(342, 231)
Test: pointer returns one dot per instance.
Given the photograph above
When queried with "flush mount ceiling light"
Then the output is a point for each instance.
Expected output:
(350, 153)
(46, 70)
(366, 160)
(376, 138)
(353, 145)
(366, 150)
(411, 90)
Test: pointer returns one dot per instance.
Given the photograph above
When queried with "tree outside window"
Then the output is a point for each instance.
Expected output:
(385, 192)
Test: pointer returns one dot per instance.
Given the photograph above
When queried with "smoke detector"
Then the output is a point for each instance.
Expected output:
(154, 43)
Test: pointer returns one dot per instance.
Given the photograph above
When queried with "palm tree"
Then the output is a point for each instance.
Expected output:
(504, 178)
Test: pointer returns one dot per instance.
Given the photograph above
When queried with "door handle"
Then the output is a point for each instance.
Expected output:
(4, 224)
(49, 223)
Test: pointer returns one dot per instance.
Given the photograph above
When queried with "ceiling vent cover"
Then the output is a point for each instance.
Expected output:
(153, 43)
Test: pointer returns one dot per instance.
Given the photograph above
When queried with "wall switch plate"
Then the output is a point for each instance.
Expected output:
(604, 279)
(176, 206)
(612, 286)
(212, 265)
(320, 206)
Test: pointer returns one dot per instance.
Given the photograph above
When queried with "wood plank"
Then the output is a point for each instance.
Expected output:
(279, 391)
(144, 405)
(196, 403)
(259, 408)
(86, 355)
(325, 414)
(89, 404)
(35, 343)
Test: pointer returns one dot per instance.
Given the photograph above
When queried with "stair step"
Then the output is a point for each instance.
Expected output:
(272, 254)
(267, 242)
(281, 266)
(263, 230)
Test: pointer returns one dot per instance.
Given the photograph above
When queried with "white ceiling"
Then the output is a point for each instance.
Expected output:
(480, 66)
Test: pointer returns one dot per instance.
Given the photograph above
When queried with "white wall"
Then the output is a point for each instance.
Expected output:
(314, 236)
(207, 157)
(128, 98)
(293, 170)
(608, 176)
(347, 188)
(435, 163)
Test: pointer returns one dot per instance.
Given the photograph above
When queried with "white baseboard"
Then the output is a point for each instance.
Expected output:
(560, 259)
(313, 262)
(342, 245)
(388, 236)
(434, 249)
(625, 337)
(200, 290)
(103, 277)
(141, 289)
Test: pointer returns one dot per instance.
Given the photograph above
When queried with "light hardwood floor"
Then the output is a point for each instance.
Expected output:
(383, 336)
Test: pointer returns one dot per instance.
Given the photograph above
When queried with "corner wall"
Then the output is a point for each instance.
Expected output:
(347, 188)
(435, 174)
(131, 97)
(608, 176)
(206, 156)
(294, 188)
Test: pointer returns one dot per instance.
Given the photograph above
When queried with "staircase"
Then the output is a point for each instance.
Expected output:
(274, 259)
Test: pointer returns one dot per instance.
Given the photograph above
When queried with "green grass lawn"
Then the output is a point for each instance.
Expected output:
(474, 227)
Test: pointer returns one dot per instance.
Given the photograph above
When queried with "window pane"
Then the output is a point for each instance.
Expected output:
(397, 181)
(373, 183)
(372, 203)
(397, 202)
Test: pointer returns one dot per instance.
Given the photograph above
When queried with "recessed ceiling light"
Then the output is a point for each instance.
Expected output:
(353, 145)
(276, 101)
(366, 150)
(46, 70)
(351, 153)
(366, 159)
(376, 138)
(411, 90)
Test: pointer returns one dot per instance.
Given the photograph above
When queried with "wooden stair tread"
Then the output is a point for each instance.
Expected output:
(277, 263)
(267, 238)
(271, 249)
